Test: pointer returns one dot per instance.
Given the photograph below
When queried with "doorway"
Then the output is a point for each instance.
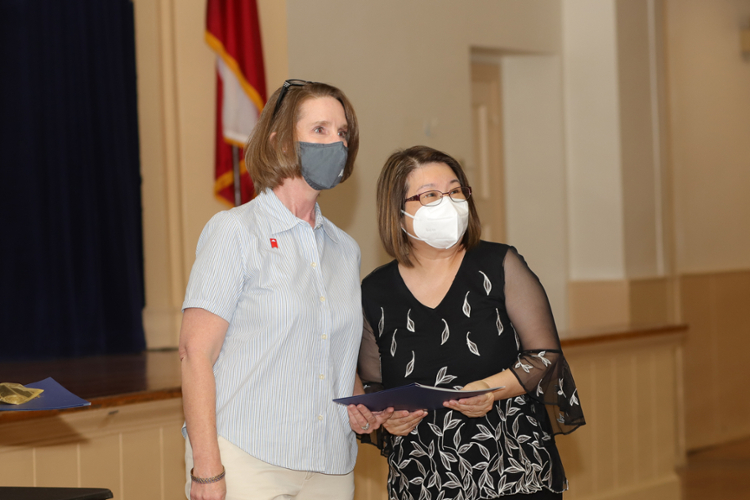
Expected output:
(486, 173)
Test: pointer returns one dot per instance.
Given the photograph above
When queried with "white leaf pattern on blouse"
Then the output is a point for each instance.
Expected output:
(452, 483)
(472, 346)
(410, 365)
(457, 436)
(520, 453)
(546, 361)
(381, 323)
(446, 334)
(484, 433)
(539, 391)
(515, 334)
(574, 398)
(417, 451)
(499, 324)
(443, 377)
(449, 422)
(487, 284)
(523, 366)
(560, 389)
(393, 343)
(467, 307)
(409, 322)
(447, 458)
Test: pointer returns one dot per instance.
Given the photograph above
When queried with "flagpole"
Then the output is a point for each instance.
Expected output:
(233, 33)
(236, 169)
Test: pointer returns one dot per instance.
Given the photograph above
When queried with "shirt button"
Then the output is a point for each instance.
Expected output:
(320, 417)
(322, 299)
(321, 376)
(313, 264)
(324, 336)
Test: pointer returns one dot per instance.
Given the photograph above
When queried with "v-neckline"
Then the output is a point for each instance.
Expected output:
(406, 289)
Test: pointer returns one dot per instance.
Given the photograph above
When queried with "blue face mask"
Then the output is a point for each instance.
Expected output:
(322, 165)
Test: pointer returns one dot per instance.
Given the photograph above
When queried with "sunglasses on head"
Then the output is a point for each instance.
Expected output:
(289, 83)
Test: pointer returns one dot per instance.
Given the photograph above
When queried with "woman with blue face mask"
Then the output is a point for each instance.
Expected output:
(455, 312)
(272, 316)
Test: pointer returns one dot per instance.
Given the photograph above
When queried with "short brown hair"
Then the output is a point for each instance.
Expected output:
(391, 192)
(269, 162)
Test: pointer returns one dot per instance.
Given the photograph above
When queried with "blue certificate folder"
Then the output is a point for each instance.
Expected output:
(410, 397)
(54, 397)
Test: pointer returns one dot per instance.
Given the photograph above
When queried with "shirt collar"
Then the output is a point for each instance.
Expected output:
(281, 219)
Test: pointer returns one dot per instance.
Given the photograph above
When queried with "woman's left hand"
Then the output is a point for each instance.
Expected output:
(475, 407)
(363, 421)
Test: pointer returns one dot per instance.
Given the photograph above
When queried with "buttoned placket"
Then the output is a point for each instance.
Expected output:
(314, 247)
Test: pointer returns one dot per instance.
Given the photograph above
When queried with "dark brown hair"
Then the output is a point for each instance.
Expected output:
(268, 161)
(391, 192)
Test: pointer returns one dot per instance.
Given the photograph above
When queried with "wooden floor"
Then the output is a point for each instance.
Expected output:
(722, 472)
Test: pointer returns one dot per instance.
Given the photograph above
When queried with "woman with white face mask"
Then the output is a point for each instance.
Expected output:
(452, 311)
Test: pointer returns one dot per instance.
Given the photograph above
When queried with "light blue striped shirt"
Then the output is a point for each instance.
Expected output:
(291, 295)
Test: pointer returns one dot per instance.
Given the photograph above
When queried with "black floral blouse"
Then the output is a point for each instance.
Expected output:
(495, 316)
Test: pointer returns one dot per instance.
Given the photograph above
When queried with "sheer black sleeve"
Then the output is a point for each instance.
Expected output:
(541, 367)
(368, 365)
(368, 368)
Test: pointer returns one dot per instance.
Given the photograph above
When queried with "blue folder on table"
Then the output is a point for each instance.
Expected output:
(410, 397)
(54, 397)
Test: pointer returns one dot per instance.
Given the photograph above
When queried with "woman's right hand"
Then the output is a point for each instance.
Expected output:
(210, 491)
(402, 422)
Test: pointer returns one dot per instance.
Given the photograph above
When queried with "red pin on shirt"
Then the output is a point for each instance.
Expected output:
(274, 244)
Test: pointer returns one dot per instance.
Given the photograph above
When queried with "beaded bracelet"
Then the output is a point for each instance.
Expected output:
(207, 480)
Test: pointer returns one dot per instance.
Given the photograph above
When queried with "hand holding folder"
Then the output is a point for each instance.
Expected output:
(410, 397)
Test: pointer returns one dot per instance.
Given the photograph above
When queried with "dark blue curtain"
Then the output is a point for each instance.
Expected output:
(71, 260)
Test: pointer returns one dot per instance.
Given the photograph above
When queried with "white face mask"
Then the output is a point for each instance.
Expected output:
(440, 226)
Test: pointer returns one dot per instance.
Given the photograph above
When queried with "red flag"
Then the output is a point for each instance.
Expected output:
(233, 32)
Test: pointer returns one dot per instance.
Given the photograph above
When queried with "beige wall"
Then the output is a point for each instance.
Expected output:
(534, 167)
(710, 125)
(176, 90)
(592, 131)
(616, 187)
(638, 81)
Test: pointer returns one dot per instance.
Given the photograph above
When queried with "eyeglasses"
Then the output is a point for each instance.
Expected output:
(432, 198)
(284, 88)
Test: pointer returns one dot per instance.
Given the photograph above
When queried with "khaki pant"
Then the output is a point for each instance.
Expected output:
(248, 478)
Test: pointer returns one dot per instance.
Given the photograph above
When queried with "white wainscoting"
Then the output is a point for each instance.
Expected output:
(631, 392)
(134, 450)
